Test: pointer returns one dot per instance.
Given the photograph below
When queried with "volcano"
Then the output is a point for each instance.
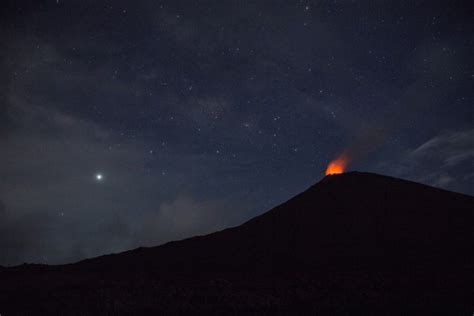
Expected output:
(352, 243)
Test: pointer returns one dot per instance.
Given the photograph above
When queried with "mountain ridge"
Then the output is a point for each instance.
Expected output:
(324, 180)
(358, 239)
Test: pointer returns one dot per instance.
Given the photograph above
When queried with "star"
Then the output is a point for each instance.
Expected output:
(99, 177)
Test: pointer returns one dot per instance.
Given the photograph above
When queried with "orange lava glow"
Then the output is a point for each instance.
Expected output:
(337, 166)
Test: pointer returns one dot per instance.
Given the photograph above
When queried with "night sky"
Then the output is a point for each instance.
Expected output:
(132, 123)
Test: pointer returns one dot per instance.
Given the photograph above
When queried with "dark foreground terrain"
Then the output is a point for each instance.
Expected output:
(355, 243)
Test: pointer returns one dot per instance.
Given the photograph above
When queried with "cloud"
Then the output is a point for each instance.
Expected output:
(445, 161)
(21, 235)
(53, 210)
(450, 148)
(184, 217)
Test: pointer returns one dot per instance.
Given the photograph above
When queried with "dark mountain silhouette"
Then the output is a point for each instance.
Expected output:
(353, 243)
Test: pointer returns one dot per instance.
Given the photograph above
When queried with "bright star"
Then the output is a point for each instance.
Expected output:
(98, 176)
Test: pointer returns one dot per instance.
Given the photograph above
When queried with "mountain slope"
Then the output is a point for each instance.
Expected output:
(352, 242)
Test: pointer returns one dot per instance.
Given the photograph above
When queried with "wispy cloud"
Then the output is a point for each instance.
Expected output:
(445, 161)
(53, 210)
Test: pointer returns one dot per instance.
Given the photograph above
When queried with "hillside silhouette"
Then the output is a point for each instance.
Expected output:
(352, 243)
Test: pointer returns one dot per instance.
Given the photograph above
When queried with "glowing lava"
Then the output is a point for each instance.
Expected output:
(337, 166)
